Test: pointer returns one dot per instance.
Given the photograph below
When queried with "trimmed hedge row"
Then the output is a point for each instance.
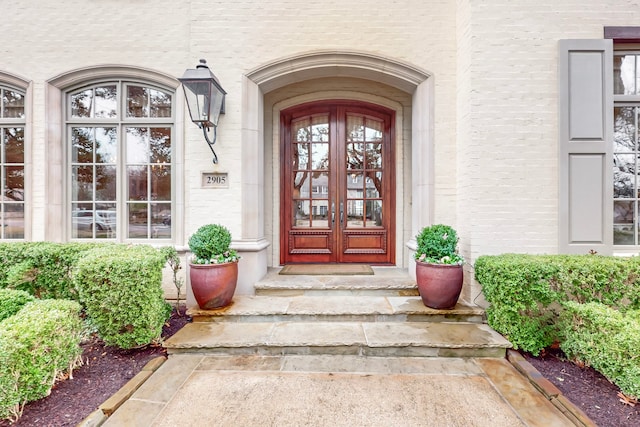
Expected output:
(605, 339)
(37, 344)
(525, 291)
(121, 290)
(118, 285)
(11, 301)
(43, 269)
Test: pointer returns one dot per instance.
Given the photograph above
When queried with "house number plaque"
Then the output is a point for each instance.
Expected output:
(215, 180)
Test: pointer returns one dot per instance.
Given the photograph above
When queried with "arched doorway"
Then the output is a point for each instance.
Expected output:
(337, 201)
(257, 238)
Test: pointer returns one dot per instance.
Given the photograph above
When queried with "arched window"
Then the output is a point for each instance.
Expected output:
(12, 165)
(119, 138)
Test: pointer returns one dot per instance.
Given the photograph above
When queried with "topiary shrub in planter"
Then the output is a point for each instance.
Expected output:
(37, 344)
(121, 290)
(439, 272)
(213, 270)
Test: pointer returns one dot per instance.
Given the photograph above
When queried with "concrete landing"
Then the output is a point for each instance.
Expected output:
(379, 308)
(196, 390)
(427, 339)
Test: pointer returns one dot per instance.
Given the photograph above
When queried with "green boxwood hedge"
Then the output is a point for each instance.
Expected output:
(38, 343)
(11, 301)
(605, 339)
(121, 290)
(525, 291)
(43, 269)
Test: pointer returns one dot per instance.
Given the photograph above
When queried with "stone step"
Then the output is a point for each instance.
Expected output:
(385, 281)
(334, 309)
(397, 339)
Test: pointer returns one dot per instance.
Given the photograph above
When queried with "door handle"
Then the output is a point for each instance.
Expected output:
(341, 212)
(333, 212)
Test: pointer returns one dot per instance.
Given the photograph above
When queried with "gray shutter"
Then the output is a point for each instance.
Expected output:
(586, 144)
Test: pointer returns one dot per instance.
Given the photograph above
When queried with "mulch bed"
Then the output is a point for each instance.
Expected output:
(107, 369)
(587, 389)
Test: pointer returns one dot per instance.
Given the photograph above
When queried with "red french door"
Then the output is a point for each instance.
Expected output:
(337, 199)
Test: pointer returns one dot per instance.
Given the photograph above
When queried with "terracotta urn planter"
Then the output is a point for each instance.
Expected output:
(213, 285)
(439, 284)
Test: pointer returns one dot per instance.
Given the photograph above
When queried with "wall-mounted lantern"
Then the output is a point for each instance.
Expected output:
(205, 99)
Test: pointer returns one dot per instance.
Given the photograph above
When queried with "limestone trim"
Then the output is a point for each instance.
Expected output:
(326, 63)
(108, 71)
(15, 81)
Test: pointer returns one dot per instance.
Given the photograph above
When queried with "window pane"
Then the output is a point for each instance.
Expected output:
(300, 129)
(624, 172)
(137, 101)
(161, 221)
(81, 103)
(300, 156)
(105, 101)
(14, 145)
(301, 185)
(137, 183)
(137, 145)
(105, 183)
(355, 213)
(355, 128)
(13, 221)
(160, 182)
(320, 156)
(14, 180)
(374, 156)
(373, 130)
(624, 73)
(137, 217)
(625, 128)
(82, 183)
(355, 156)
(320, 185)
(12, 104)
(354, 185)
(106, 145)
(82, 145)
(623, 212)
(160, 103)
(623, 235)
(320, 129)
(301, 212)
(373, 184)
(160, 145)
(320, 214)
(374, 213)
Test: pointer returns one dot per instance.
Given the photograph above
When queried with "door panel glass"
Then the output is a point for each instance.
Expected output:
(320, 156)
(320, 214)
(355, 213)
(300, 156)
(301, 213)
(374, 156)
(373, 185)
(373, 213)
(301, 185)
(320, 185)
(355, 128)
(355, 156)
(373, 130)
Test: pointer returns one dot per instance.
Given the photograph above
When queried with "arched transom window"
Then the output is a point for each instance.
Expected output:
(120, 146)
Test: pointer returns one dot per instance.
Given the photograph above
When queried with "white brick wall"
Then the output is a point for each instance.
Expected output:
(493, 64)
